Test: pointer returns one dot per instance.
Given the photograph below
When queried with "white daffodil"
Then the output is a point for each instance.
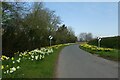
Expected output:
(43, 56)
(7, 66)
(7, 71)
(42, 52)
(18, 61)
(52, 50)
(7, 58)
(32, 56)
(18, 67)
(4, 72)
(11, 71)
(36, 57)
(40, 56)
(13, 62)
(29, 52)
(36, 50)
(20, 55)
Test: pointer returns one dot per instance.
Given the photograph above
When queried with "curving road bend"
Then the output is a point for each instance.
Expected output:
(76, 63)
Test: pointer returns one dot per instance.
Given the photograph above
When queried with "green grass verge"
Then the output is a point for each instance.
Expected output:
(112, 55)
(39, 69)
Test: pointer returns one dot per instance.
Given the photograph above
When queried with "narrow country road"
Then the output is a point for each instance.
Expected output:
(76, 63)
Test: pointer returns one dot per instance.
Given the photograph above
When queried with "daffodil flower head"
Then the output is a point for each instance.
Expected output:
(12, 58)
(7, 66)
(18, 67)
(2, 67)
(7, 71)
(13, 62)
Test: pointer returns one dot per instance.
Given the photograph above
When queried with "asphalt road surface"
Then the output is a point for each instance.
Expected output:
(76, 63)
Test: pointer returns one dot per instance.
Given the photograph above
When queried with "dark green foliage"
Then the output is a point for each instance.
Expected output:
(65, 35)
(27, 27)
(110, 42)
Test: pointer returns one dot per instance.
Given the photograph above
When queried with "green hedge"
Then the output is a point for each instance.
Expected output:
(110, 42)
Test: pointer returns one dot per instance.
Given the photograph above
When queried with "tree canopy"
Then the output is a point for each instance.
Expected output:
(26, 26)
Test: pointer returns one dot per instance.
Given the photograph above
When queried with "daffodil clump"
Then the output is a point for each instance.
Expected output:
(11, 65)
(95, 48)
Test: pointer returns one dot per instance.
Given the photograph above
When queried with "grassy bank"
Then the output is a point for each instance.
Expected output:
(108, 53)
(42, 69)
(45, 68)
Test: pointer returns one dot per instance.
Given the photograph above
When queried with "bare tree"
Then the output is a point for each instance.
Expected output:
(89, 36)
(85, 36)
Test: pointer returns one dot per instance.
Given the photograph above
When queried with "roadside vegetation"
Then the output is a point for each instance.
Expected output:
(109, 53)
(110, 42)
(27, 26)
(32, 64)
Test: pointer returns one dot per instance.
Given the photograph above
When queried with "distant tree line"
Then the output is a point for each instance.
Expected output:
(84, 37)
(26, 26)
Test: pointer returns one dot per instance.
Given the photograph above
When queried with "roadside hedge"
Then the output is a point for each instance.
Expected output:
(110, 42)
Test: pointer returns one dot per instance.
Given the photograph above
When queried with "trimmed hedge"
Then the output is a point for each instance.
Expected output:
(110, 42)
